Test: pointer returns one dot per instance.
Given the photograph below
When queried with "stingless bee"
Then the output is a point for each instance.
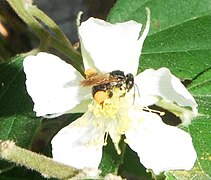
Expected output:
(103, 84)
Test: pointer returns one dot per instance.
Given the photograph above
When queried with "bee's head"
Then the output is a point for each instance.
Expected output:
(129, 81)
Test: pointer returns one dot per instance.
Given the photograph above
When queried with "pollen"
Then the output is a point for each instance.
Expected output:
(90, 72)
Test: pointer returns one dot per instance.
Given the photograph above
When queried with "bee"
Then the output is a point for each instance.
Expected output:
(103, 84)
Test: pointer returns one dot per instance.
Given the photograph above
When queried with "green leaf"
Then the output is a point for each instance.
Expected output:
(131, 168)
(179, 36)
(201, 126)
(111, 160)
(17, 122)
(201, 89)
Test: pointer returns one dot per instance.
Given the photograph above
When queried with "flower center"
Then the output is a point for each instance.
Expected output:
(112, 115)
(111, 106)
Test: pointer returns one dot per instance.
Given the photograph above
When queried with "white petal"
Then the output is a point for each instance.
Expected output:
(82, 107)
(53, 84)
(111, 46)
(79, 144)
(160, 147)
(162, 83)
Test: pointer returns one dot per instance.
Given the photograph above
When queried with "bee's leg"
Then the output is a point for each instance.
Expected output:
(99, 93)
(100, 97)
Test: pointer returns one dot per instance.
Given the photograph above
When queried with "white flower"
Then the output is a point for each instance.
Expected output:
(55, 89)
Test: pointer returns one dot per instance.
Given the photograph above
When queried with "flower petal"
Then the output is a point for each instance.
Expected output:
(160, 147)
(79, 144)
(53, 85)
(161, 83)
(108, 47)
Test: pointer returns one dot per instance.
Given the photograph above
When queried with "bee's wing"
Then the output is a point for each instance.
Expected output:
(53, 85)
(97, 80)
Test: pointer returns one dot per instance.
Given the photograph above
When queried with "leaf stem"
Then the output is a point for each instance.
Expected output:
(46, 166)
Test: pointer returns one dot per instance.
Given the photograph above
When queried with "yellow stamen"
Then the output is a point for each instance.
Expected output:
(110, 107)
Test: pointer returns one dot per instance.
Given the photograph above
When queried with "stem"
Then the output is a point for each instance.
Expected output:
(46, 166)
(20, 7)
(35, 12)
